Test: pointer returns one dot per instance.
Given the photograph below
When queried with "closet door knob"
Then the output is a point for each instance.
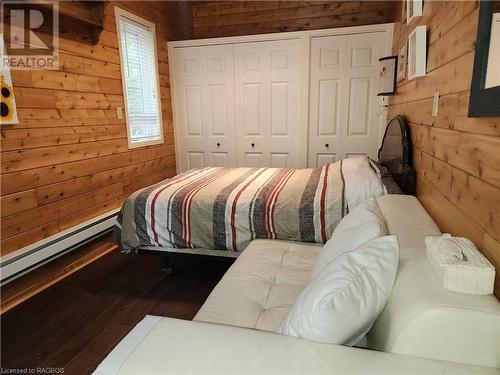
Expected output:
(253, 145)
(218, 144)
(327, 145)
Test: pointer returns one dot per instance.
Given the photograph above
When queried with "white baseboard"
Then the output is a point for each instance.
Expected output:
(22, 261)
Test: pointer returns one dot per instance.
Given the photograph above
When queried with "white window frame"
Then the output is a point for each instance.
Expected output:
(119, 12)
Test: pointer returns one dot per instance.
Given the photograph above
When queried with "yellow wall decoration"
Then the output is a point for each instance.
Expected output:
(8, 111)
(8, 103)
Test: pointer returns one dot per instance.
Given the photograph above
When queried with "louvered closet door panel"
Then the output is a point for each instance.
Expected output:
(328, 84)
(363, 128)
(267, 103)
(204, 95)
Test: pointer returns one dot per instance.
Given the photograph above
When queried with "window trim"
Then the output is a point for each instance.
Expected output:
(119, 12)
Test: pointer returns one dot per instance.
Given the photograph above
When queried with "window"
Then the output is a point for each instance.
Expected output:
(137, 44)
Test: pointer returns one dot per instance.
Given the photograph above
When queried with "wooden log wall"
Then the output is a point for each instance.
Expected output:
(457, 158)
(68, 160)
(230, 18)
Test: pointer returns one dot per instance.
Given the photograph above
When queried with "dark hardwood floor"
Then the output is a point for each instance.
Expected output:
(75, 323)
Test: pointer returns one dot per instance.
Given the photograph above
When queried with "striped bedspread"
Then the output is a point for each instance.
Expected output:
(226, 208)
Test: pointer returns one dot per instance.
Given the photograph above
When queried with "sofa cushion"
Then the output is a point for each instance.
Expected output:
(178, 347)
(340, 305)
(261, 286)
(361, 225)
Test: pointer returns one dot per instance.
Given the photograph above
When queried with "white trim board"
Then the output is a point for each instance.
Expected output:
(21, 261)
(385, 27)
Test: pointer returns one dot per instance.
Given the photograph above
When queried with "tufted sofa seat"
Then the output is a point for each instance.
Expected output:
(261, 286)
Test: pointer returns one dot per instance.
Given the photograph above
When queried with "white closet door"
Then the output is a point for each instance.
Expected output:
(204, 95)
(328, 101)
(267, 103)
(364, 126)
(344, 107)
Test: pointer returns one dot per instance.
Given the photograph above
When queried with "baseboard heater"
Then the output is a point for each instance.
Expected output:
(28, 258)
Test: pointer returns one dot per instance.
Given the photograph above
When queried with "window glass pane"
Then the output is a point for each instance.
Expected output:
(140, 74)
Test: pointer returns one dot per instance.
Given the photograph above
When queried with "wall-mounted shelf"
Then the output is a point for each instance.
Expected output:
(77, 19)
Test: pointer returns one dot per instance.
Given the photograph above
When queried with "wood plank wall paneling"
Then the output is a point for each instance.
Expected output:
(457, 158)
(230, 18)
(68, 160)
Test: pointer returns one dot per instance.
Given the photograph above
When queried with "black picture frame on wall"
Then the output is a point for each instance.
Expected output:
(483, 102)
(389, 77)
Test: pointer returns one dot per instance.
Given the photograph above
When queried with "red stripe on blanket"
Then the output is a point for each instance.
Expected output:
(187, 205)
(322, 212)
(267, 207)
(252, 205)
(233, 208)
(155, 197)
(273, 203)
(185, 233)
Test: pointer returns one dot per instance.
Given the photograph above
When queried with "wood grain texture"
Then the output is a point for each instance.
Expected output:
(27, 286)
(75, 323)
(68, 160)
(457, 158)
(231, 18)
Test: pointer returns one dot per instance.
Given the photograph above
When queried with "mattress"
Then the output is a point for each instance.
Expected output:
(226, 208)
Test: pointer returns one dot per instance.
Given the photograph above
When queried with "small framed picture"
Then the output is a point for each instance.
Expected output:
(417, 52)
(401, 64)
(387, 78)
(414, 9)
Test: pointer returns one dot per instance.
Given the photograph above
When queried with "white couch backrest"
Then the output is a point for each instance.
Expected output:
(421, 318)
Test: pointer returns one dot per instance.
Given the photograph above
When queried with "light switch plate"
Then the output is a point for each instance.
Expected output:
(435, 104)
(119, 113)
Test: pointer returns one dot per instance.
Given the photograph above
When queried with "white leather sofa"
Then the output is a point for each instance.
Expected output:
(457, 333)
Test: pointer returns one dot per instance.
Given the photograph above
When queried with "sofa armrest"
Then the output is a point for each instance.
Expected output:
(422, 318)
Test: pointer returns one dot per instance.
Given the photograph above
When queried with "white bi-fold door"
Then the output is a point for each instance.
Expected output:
(344, 109)
(204, 105)
(267, 103)
(291, 100)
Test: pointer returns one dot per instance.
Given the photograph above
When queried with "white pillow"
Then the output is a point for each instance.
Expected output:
(361, 181)
(362, 224)
(341, 304)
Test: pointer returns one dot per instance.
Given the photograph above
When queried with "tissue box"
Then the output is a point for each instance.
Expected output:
(459, 265)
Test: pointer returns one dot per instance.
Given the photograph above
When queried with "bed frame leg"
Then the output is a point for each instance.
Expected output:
(166, 266)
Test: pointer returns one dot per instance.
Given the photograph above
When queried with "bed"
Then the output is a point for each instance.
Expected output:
(218, 211)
